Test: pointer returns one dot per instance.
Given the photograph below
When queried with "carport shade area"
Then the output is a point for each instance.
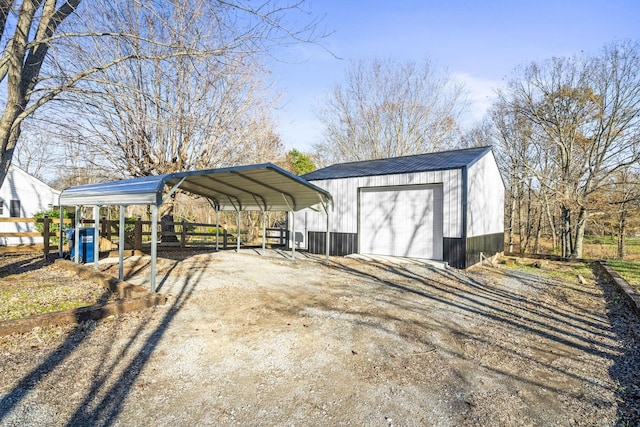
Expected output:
(264, 187)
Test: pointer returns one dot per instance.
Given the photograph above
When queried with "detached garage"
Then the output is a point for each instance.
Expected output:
(446, 206)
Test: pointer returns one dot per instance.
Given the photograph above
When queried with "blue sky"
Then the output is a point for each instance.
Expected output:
(480, 42)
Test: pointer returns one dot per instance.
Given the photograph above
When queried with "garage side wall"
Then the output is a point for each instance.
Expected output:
(344, 218)
(485, 210)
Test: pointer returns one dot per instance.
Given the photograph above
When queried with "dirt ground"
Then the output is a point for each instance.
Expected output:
(250, 340)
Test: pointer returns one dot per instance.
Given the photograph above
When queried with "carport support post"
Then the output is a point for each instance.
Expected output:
(154, 245)
(328, 239)
(217, 228)
(61, 231)
(293, 235)
(264, 231)
(121, 244)
(96, 236)
(238, 234)
(76, 236)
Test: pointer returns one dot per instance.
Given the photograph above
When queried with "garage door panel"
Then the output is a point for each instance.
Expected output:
(401, 221)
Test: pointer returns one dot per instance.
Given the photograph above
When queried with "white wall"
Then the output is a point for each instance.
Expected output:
(485, 198)
(345, 196)
(34, 196)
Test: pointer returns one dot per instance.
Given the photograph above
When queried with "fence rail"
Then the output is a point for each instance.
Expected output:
(171, 234)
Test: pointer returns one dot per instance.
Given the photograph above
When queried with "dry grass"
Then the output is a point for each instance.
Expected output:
(30, 285)
(629, 270)
(594, 247)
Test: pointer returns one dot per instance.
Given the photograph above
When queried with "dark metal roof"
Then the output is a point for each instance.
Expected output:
(443, 160)
(255, 187)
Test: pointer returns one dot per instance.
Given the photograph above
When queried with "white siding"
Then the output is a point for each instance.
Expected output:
(485, 198)
(344, 218)
(34, 196)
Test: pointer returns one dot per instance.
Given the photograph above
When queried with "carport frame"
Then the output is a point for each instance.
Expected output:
(264, 187)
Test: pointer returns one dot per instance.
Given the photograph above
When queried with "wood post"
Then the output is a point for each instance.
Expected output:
(183, 234)
(137, 242)
(224, 237)
(105, 227)
(46, 223)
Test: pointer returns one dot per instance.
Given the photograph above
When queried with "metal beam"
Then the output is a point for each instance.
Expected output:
(96, 236)
(60, 254)
(293, 235)
(154, 245)
(173, 190)
(264, 231)
(270, 187)
(193, 184)
(328, 236)
(121, 244)
(76, 237)
(238, 234)
(235, 187)
(217, 229)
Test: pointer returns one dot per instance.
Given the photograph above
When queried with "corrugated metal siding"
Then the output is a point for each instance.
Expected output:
(453, 252)
(345, 195)
(485, 198)
(341, 244)
(488, 244)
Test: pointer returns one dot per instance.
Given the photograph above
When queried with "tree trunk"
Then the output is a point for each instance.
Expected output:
(8, 146)
(622, 225)
(552, 226)
(521, 231)
(512, 222)
(528, 226)
(536, 243)
(579, 236)
(566, 231)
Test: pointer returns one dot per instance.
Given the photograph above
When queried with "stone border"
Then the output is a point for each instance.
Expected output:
(134, 298)
(629, 292)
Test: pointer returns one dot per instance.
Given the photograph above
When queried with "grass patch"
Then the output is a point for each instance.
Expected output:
(561, 272)
(596, 247)
(565, 272)
(629, 270)
(22, 295)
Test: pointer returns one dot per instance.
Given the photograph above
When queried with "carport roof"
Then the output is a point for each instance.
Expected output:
(255, 187)
(443, 160)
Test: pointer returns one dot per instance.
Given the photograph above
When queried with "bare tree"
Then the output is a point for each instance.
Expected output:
(584, 113)
(387, 109)
(38, 154)
(39, 35)
(621, 205)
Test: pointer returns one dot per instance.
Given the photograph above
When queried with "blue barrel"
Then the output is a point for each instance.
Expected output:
(86, 243)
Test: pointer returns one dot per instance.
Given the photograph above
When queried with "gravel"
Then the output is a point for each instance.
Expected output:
(249, 340)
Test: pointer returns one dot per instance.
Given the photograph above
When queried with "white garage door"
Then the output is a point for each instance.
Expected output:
(401, 221)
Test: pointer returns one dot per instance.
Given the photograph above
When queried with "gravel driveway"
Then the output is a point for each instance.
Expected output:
(250, 340)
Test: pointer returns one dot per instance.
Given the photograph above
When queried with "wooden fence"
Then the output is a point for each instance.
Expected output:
(137, 236)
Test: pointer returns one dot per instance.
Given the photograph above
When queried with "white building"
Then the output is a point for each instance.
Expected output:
(21, 196)
(446, 206)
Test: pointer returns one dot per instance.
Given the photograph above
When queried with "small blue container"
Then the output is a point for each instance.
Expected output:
(86, 243)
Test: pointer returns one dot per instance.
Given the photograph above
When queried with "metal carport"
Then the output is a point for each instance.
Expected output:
(264, 187)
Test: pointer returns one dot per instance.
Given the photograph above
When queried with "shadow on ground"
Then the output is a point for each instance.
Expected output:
(101, 404)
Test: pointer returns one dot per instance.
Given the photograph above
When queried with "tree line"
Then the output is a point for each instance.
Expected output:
(567, 131)
(135, 88)
(121, 89)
